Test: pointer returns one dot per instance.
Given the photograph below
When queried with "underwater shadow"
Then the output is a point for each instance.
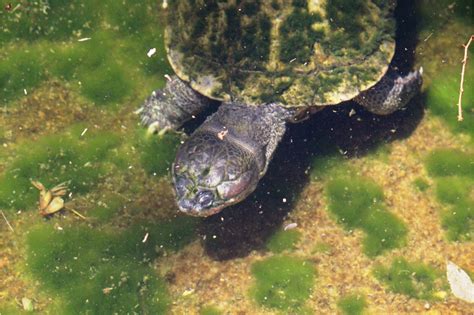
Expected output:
(244, 227)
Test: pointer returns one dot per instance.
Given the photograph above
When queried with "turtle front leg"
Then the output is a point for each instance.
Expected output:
(391, 93)
(169, 108)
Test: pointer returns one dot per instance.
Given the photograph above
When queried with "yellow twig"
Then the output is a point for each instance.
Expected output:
(6, 220)
(77, 213)
(461, 88)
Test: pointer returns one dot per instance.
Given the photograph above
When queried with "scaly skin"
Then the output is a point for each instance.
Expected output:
(391, 93)
(170, 107)
(226, 156)
(224, 159)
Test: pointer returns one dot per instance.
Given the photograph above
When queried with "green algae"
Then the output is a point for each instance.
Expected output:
(321, 247)
(20, 72)
(210, 310)
(448, 162)
(324, 165)
(12, 310)
(57, 20)
(107, 208)
(436, 14)
(130, 17)
(53, 20)
(350, 22)
(283, 241)
(102, 271)
(453, 172)
(381, 153)
(282, 282)
(328, 162)
(414, 279)
(442, 97)
(352, 304)
(133, 53)
(453, 189)
(106, 84)
(298, 35)
(79, 161)
(358, 203)
(421, 184)
(346, 15)
(105, 67)
(157, 152)
(102, 75)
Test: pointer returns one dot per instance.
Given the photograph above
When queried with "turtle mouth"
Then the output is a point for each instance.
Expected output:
(203, 204)
(187, 207)
(196, 200)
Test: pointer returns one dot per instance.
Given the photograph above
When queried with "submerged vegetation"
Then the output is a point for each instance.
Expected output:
(92, 45)
(416, 280)
(20, 72)
(283, 282)
(352, 304)
(117, 261)
(453, 172)
(442, 97)
(157, 152)
(358, 203)
(210, 310)
(68, 157)
(283, 241)
(102, 271)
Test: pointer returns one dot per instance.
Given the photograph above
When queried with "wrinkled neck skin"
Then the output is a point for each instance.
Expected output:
(224, 159)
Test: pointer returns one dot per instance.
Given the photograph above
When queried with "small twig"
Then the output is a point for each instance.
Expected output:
(6, 220)
(461, 88)
(76, 213)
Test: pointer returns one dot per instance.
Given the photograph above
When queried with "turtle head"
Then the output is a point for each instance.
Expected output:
(212, 172)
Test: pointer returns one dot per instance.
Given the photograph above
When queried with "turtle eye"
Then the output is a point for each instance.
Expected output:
(205, 198)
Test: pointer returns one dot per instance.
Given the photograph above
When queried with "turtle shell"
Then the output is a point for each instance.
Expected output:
(297, 53)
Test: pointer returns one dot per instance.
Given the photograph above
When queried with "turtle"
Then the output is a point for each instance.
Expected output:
(268, 64)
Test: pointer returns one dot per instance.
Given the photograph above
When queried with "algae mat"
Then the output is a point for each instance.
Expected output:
(359, 214)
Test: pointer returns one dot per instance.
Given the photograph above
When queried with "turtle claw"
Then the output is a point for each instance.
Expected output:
(154, 128)
(163, 131)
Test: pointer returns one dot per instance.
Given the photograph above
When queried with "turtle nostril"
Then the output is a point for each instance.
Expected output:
(205, 198)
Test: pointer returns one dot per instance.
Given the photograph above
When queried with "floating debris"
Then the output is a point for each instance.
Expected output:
(27, 304)
(151, 52)
(50, 201)
(428, 37)
(290, 226)
(222, 134)
(107, 290)
(84, 39)
(84, 132)
(460, 283)
(6, 220)
(145, 238)
(188, 291)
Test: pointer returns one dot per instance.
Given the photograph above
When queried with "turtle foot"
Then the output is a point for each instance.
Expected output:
(392, 92)
(169, 108)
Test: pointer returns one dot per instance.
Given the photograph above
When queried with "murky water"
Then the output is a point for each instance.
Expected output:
(357, 213)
